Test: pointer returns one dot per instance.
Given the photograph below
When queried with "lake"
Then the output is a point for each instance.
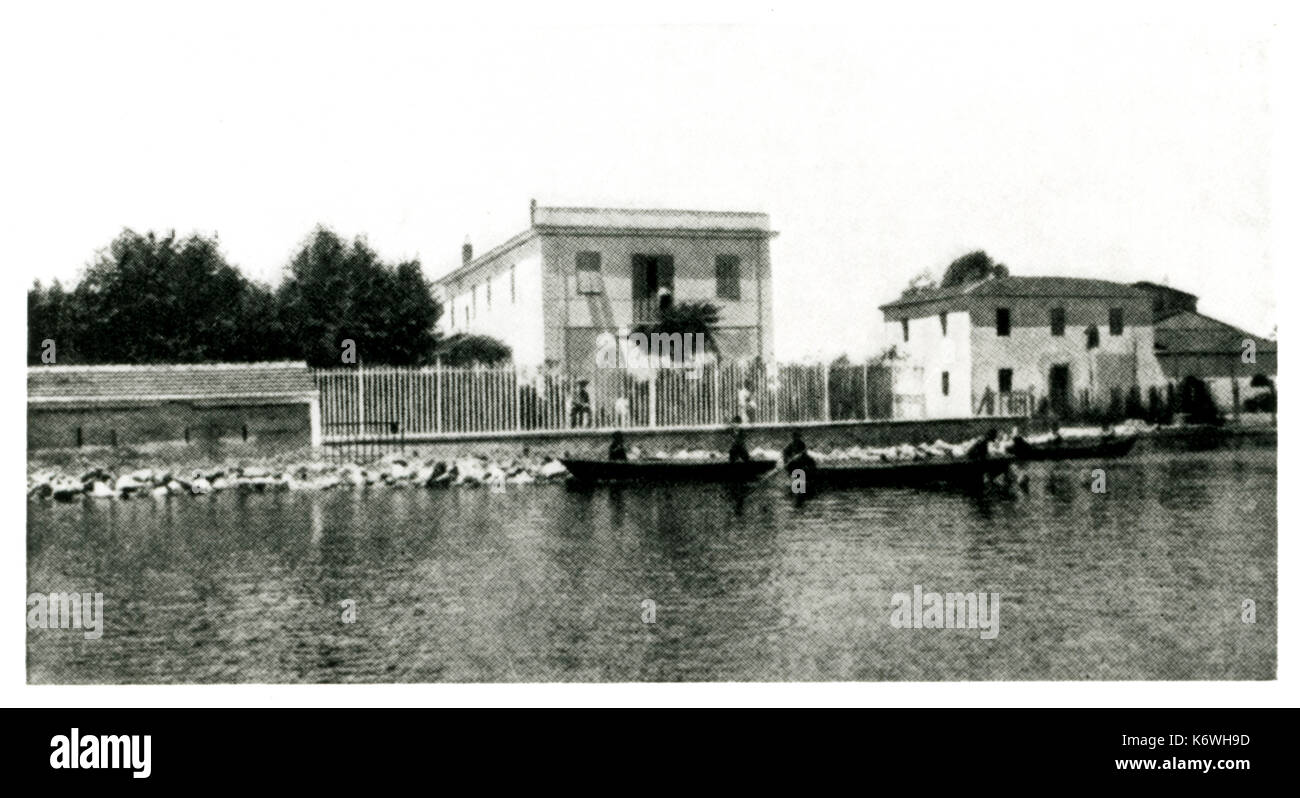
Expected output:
(550, 583)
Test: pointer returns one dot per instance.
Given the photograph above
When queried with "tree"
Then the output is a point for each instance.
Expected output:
(336, 291)
(151, 299)
(464, 349)
(972, 267)
(699, 318)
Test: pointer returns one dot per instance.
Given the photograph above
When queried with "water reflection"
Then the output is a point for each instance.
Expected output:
(547, 583)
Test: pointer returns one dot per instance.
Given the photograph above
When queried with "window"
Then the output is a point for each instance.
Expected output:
(727, 271)
(589, 273)
(943, 326)
(1058, 322)
(1093, 337)
(512, 285)
(905, 331)
(944, 381)
(1004, 380)
(1117, 321)
(1004, 321)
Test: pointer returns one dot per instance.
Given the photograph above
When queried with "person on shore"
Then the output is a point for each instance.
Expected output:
(739, 451)
(622, 411)
(617, 451)
(580, 413)
(745, 400)
(795, 454)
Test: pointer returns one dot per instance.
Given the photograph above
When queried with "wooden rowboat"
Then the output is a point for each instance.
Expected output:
(926, 471)
(1072, 449)
(666, 470)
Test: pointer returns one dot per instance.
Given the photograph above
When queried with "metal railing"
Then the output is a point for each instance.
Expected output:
(431, 401)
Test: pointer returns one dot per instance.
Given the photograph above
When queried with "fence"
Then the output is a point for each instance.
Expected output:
(399, 402)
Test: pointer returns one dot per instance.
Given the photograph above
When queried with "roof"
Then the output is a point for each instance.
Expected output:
(649, 219)
(174, 382)
(613, 221)
(1031, 287)
(1190, 333)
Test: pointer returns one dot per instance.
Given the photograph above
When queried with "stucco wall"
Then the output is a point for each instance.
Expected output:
(271, 427)
(517, 321)
(744, 322)
(935, 353)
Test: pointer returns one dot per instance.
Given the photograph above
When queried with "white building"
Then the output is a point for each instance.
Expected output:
(1012, 344)
(575, 273)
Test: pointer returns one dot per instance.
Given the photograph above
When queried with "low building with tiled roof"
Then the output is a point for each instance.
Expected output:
(1019, 344)
(272, 404)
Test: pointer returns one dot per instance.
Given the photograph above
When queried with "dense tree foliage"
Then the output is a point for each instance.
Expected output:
(152, 299)
(970, 268)
(463, 349)
(335, 291)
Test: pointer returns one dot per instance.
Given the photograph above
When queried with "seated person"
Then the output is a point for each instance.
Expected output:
(795, 454)
(980, 449)
(617, 451)
(739, 452)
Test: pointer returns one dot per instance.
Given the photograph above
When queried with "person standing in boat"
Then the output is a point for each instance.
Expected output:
(617, 451)
(739, 452)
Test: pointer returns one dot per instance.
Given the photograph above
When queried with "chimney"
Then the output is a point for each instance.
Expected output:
(466, 252)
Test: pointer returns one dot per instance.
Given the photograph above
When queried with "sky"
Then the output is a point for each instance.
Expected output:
(881, 145)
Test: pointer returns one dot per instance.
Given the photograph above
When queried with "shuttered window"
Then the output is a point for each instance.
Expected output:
(727, 269)
(589, 281)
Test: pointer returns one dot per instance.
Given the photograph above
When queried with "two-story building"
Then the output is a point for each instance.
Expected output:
(575, 273)
(1004, 345)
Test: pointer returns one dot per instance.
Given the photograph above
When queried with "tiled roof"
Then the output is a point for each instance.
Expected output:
(191, 381)
(1045, 287)
(1194, 333)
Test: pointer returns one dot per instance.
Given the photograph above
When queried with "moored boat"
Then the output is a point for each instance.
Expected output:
(1075, 448)
(666, 470)
(922, 471)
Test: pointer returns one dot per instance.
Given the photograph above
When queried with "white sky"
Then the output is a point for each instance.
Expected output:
(1107, 145)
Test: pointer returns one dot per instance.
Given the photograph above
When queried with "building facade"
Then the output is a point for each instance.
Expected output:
(1015, 345)
(1237, 367)
(265, 406)
(576, 273)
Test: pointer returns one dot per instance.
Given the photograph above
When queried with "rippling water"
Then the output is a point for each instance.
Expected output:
(546, 583)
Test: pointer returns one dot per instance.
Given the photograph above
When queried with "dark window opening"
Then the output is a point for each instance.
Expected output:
(1058, 321)
(727, 272)
(1117, 321)
(943, 326)
(945, 383)
(1004, 321)
(1004, 380)
(905, 331)
(1093, 336)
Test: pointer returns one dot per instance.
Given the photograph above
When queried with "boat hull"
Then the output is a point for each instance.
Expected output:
(1070, 450)
(930, 471)
(667, 470)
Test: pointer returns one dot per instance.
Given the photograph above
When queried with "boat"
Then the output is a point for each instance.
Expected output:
(658, 470)
(923, 471)
(1074, 448)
